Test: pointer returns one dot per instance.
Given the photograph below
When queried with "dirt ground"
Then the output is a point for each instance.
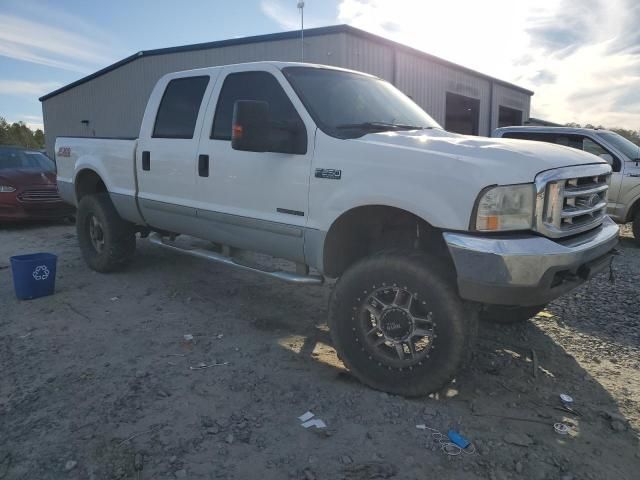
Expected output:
(97, 377)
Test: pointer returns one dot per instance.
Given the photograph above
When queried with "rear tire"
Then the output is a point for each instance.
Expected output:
(400, 300)
(507, 315)
(107, 241)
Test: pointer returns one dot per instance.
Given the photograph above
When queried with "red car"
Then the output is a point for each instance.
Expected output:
(28, 187)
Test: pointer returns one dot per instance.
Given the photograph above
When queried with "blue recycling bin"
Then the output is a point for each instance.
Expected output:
(34, 275)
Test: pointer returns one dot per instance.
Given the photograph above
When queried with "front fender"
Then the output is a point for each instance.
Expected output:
(432, 187)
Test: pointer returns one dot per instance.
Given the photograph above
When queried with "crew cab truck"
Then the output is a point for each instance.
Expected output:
(342, 174)
(622, 154)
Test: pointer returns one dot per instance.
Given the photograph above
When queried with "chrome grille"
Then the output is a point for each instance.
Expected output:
(571, 200)
(39, 195)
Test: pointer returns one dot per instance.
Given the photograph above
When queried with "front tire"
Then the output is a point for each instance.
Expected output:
(399, 325)
(508, 315)
(107, 241)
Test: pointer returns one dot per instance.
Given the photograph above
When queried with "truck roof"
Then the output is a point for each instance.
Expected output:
(277, 64)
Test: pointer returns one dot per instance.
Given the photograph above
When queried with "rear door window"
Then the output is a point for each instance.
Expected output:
(179, 107)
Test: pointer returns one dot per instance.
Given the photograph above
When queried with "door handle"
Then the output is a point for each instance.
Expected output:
(146, 160)
(203, 165)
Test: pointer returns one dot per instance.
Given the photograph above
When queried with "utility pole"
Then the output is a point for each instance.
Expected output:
(301, 7)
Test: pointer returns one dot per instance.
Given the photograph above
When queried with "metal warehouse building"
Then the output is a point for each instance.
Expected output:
(111, 102)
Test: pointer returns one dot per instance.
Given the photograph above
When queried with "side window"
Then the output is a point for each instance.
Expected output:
(592, 147)
(260, 86)
(179, 107)
(539, 137)
(517, 135)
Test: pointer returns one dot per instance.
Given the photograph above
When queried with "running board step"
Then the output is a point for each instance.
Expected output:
(289, 277)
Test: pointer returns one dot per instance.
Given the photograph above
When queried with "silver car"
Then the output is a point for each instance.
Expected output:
(623, 156)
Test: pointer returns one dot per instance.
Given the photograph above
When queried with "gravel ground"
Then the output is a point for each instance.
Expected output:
(97, 378)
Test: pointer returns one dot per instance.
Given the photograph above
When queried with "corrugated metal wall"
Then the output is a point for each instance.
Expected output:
(114, 103)
(428, 82)
(509, 97)
(366, 56)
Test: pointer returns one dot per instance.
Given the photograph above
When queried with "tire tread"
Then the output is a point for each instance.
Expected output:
(417, 382)
(120, 234)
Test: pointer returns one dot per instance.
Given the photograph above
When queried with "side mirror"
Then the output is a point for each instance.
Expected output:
(250, 128)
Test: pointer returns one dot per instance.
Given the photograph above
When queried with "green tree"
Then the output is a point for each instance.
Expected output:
(4, 132)
(18, 133)
(631, 135)
(38, 137)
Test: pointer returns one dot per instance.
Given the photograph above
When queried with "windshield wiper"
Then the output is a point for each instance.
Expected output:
(381, 126)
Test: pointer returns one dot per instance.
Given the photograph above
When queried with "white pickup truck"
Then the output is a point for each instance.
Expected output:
(342, 174)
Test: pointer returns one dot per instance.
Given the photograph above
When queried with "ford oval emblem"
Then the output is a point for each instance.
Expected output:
(593, 200)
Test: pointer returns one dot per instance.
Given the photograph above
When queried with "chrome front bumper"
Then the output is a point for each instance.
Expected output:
(526, 269)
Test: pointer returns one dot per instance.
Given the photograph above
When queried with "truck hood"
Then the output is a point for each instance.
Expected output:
(517, 160)
(433, 174)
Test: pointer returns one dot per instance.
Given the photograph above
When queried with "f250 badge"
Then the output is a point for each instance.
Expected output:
(64, 152)
(328, 173)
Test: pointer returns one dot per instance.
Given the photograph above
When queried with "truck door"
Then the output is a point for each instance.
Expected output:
(166, 155)
(595, 147)
(251, 200)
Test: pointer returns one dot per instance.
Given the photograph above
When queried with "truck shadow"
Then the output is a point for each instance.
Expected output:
(512, 384)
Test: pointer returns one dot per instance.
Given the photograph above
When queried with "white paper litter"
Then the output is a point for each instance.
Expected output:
(308, 420)
(314, 423)
(305, 416)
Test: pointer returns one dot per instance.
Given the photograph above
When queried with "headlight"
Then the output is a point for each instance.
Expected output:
(505, 208)
(6, 189)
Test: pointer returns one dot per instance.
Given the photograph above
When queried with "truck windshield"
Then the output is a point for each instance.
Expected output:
(350, 105)
(630, 149)
(18, 159)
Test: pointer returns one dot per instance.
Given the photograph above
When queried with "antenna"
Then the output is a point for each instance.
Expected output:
(301, 7)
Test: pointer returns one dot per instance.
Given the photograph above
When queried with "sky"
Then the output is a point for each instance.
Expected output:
(580, 57)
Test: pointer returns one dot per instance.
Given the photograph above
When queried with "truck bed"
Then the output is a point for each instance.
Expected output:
(113, 159)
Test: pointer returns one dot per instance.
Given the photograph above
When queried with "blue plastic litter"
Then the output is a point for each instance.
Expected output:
(458, 439)
(34, 275)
